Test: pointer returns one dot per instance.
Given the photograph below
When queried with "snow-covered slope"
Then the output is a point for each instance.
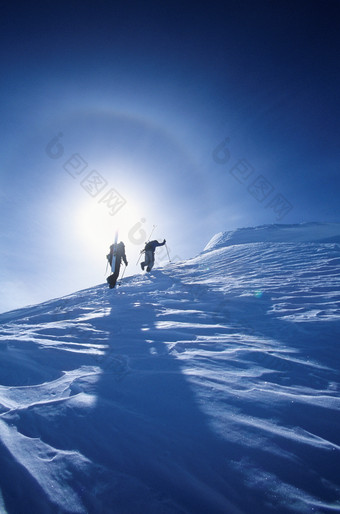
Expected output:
(207, 386)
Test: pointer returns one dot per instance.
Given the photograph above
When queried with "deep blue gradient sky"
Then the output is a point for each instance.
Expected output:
(144, 93)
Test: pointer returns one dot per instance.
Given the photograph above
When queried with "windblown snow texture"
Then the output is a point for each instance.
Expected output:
(208, 386)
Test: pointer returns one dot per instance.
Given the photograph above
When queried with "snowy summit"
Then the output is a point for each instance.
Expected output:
(208, 386)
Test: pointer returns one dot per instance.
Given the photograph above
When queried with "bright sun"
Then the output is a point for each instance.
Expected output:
(96, 227)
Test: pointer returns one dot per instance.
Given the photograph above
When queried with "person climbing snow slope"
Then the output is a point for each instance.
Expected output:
(117, 252)
(149, 250)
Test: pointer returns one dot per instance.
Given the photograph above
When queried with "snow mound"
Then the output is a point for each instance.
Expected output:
(311, 232)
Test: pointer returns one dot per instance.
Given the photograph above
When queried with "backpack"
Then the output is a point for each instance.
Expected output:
(149, 246)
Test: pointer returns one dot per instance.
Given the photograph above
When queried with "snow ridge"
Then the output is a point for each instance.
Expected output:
(305, 232)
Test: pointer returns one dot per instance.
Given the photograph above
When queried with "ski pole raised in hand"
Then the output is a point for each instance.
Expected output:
(120, 280)
(166, 246)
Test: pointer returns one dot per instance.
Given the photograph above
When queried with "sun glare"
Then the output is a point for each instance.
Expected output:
(96, 227)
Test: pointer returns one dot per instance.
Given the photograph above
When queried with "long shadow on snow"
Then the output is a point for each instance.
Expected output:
(152, 447)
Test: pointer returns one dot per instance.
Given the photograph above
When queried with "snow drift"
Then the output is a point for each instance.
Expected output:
(206, 386)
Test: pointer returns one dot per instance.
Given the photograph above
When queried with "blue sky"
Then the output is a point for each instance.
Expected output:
(197, 119)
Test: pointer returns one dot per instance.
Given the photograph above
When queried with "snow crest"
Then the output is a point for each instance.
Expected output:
(305, 232)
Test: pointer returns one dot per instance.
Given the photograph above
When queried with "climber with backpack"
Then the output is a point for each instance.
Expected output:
(149, 251)
(115, 257)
